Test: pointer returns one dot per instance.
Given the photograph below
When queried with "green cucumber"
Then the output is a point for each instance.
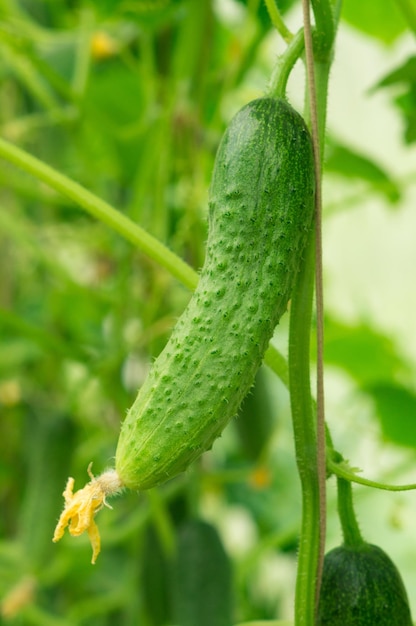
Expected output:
(261, 208)
(361, 586)
(202, 583)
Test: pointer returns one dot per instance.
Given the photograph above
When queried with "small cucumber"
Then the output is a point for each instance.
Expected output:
(361, 586)
(201, 577)
(261, 208)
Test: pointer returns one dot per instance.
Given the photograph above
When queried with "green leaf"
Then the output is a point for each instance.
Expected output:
(364, 352)
(256, 418)
(396, 410)
(379, 19)
(404, 75)
(116, 93)
(352, 164)
(407, 104)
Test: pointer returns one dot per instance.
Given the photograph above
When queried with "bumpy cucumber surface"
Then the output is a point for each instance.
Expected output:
(261, 206)
(361, 586)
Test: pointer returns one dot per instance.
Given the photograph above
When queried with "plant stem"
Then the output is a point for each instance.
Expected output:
(316, 129)
(325, 28)
(350, 530)
(277, 363)
(162, 521)
(285, 64)
(340, 469)
(303, 419)
(151, 246)
(310, 439)
(277, 20)
(121, 224)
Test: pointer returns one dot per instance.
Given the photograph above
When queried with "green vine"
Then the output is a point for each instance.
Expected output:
(303, 420)
(285, 64)
(350, 529)
(102, 211)
(277, 20)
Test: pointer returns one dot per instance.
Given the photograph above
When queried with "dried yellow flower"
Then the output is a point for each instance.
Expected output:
(81, 507)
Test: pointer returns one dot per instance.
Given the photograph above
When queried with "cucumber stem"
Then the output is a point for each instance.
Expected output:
(285, 64)
(350, 529)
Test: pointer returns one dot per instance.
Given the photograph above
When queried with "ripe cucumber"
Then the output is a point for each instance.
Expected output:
(361, 586)
(261, 206)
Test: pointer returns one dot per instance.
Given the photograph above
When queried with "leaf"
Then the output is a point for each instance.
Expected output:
(256, 418)
(117, 94)
(381, 20)
(407, 104)
(365, 353)
(352, 164)
(405, 73)
(405, 76)
(396, 410)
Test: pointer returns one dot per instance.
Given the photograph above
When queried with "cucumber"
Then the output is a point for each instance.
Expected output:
(361, 586)
(201, 577)
(261, 208)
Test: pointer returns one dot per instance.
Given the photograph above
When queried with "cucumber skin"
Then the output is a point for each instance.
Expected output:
(362, 587)
(261, 208)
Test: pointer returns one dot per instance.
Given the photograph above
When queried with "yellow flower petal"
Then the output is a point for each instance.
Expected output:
(81, 507)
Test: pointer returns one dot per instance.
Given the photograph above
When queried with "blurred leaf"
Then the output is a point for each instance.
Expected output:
(365, 353)
(278, 622)
(381, 20)
(255, 420)
(352, 164)
(396, 410)
(201, 577)
(407, 104)
(404, 76)
(117, 94)
(51, 438)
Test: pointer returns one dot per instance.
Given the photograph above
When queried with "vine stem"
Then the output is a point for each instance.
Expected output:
(320, 396)
(124, 226)
(277, 20)
(336, 465)
(350, 529)
(303, 419)
(285, 64)
(101, 210)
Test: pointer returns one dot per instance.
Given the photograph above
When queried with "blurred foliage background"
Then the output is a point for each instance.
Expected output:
(130, 99)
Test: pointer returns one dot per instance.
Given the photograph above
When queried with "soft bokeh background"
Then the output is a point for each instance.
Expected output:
(130, 99)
